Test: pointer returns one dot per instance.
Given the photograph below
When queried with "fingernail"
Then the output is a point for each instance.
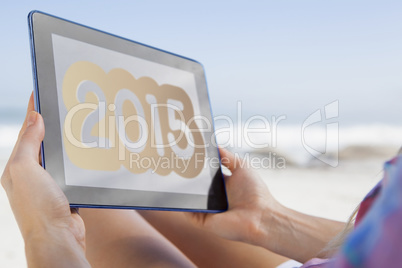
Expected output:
(31, 118)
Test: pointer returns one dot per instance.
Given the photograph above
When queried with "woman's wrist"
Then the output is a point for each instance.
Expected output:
(267, 231)
(293, 234)
(54, 247)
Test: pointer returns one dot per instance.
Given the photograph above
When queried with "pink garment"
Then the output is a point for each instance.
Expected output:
(377, 238)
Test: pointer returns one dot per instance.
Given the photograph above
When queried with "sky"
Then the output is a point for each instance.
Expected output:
(275, 57)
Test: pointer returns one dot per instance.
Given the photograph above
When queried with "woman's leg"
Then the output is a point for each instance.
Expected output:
(206, 249)
(122, 238)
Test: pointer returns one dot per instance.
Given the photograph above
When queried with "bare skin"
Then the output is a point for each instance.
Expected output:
(54, 236)
(254, 226)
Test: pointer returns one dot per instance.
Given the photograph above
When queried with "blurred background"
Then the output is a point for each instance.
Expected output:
(275, 59)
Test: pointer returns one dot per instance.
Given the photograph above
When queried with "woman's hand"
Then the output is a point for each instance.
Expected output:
(54, 236)
(255, 217)
(249, 200)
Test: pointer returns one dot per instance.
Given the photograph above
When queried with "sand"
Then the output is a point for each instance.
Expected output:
(320, 191)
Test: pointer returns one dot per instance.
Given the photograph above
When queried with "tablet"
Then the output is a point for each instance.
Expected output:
(127, 125)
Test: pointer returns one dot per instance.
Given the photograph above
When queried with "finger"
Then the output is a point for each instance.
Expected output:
(30, 140)
(29, 109)
(28, 145)
(229, 160)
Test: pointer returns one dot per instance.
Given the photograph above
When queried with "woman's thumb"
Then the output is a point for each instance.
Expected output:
(32, 137)
(32, 117)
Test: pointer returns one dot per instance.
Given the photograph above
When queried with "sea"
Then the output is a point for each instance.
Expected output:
(300, 144)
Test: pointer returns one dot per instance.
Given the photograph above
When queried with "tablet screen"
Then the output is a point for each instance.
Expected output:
(130, 125)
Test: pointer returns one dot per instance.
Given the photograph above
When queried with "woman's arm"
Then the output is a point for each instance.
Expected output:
(54, 248)
(53, 235)
(294, 234)
(255, 217)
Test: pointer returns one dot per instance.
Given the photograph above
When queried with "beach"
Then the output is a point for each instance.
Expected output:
(306, 93)
(313, 184)
(320, 190)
